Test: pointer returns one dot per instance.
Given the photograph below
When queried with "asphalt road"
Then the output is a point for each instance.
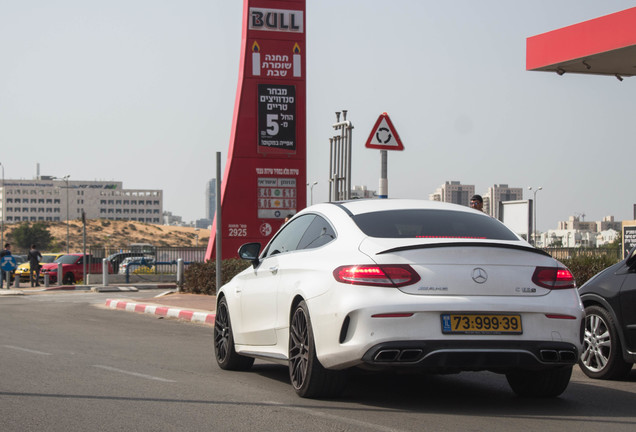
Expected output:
(68, 365)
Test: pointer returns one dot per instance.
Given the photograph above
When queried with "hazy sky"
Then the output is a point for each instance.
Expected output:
(143, 91)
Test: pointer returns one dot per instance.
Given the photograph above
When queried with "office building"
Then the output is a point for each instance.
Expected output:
(498, 193)
(453, 192)
(58, 199)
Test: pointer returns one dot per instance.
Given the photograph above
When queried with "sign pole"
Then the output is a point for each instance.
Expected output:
(217, 213)
(384, 137)
(383, 191)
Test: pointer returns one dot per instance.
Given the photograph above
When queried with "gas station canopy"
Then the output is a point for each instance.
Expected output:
(600, 46)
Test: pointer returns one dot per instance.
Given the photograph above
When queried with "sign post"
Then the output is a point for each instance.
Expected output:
(7, 265)
(384, 137)
(265, 174)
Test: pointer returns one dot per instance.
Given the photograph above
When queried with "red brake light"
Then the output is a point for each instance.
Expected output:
(395, 275)
(553, 278)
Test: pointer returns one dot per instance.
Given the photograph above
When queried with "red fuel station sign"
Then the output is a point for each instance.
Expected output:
(265, 172)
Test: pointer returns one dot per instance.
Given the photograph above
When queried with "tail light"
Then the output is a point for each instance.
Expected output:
(553, 278)
(394, 275)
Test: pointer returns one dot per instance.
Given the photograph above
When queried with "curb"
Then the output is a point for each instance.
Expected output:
(163, 311)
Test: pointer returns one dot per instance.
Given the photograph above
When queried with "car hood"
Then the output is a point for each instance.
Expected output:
(464, 267)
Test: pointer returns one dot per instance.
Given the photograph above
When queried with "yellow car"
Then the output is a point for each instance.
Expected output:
(23, 269)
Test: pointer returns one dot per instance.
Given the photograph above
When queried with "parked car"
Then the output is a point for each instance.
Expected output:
(609, 349)
(400, 284)
(140, 263)
(24, 268)
(73, 268)
(116, 258)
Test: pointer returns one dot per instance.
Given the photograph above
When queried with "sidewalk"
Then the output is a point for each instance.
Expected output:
(197, 308)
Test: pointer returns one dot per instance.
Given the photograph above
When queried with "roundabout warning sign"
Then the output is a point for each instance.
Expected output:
(384, 136)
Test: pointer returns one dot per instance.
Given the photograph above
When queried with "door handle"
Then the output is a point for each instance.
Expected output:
(274, 269)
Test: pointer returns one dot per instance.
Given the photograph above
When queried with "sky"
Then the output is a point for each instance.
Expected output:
(143, 92)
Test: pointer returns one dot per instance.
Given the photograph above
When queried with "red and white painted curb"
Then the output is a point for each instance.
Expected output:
(165, 311)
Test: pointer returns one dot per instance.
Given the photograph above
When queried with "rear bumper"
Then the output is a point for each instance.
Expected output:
(447, 356)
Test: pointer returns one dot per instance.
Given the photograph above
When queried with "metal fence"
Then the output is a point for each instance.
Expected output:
(160, 260)
(568, 253)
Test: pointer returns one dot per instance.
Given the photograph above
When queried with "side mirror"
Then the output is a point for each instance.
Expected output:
(250, 252)
(631, 258)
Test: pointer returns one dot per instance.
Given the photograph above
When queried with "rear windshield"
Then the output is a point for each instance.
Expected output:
(421, 223)
(67, 259)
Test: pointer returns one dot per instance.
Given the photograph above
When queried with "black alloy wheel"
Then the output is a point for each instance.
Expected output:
(308, 377)
(226, 357)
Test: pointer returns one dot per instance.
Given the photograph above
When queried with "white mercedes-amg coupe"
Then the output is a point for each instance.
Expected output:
(400, 284)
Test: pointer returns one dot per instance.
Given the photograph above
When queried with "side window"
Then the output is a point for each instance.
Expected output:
(289, 236)
(319, 233)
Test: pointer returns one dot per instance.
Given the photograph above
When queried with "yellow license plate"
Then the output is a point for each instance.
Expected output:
(491, 324)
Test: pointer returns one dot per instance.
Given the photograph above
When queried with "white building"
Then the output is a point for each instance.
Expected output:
(359, 192)
(57, 199)
(498, 193)
(453, 192)
(577, 233)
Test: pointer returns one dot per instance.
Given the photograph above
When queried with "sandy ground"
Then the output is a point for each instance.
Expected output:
(107, 233)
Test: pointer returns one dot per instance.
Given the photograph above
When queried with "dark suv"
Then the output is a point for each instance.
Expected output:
(610, 323)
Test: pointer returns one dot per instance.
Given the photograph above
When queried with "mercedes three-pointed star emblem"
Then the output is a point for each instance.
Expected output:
(479, 275)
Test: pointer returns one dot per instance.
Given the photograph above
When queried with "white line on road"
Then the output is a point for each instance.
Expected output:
(133, 373)
(26, 350)
(346, 420)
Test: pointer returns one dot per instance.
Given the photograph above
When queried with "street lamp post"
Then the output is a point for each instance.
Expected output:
(311, 192)
(534, 218)
(65, 178)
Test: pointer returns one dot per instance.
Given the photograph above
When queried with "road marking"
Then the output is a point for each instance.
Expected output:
(150, 377)
(26, 350)
(353, 422)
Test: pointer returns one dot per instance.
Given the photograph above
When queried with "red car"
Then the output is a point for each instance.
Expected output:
(73, 268)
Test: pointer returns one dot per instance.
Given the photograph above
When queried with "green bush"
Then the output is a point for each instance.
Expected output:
(584, 267)
(200, 278)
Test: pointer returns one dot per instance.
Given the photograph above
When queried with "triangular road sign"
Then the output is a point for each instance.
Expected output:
(384, 136)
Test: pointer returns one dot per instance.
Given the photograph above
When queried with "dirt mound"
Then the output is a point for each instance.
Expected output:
(116, 234)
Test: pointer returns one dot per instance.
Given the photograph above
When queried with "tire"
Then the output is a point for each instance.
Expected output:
(69, 279)
(602, 356)
(545, 383)
(308, 377)
(226, 357)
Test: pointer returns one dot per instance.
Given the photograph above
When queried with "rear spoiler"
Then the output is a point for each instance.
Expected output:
(467, 244)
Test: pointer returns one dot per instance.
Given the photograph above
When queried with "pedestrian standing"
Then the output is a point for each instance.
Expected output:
(34, 257)
(477, 203)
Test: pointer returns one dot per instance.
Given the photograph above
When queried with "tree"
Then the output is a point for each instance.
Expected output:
(26, 234)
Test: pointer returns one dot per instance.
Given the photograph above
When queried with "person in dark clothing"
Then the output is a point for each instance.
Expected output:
(34, 257)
